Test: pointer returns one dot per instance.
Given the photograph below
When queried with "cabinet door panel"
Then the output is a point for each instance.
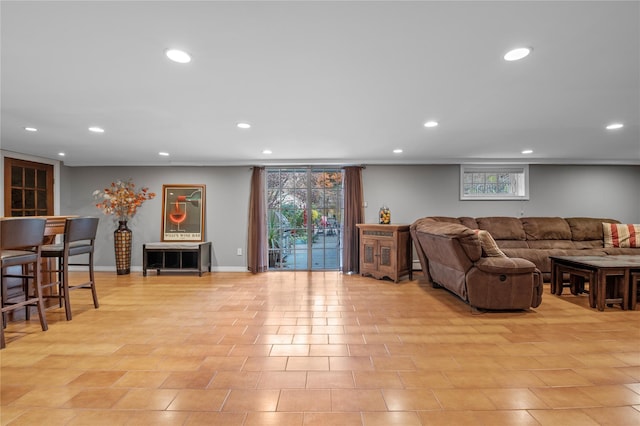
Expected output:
(369, 253)
(387, 257)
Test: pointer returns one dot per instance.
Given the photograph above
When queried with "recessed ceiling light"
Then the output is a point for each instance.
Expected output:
(431, 123)
(267, 151)
(527, 151)
(31, 129)
(397, 151)
(61, 154)
(517, 54)
(614, 126)
(96, 129)
(243, 125)
(179, 56)
(164, 154)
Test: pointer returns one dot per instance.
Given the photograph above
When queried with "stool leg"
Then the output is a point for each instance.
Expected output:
(93, 282)
(37, 289)
(3, 344)
(60, 281)
(25, 290)
(65, 287)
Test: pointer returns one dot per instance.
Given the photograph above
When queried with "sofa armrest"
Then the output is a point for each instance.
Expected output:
(505, 265)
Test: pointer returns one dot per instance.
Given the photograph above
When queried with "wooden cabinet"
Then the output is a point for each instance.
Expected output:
(385, 251)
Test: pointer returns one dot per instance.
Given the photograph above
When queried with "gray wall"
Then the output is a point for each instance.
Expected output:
(410, 192)
(227, 201)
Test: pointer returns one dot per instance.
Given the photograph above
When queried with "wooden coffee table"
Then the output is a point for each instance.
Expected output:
(609, 277)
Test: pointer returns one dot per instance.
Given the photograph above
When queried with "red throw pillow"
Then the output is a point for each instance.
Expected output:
(621, 235)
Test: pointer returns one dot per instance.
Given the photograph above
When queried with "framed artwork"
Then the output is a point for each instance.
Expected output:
(183, 212)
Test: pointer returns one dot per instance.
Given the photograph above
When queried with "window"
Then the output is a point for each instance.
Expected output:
(28, 188)
(494, 182)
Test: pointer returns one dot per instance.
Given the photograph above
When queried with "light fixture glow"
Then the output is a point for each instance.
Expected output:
(614, 126)
(178, 56)
(243, 125)
(527, 151)
(397, 151)
(163, 154)
(517, 54)
(31, 129)
(95, 129)
(61, 154)
(267, 152)
(431, 123)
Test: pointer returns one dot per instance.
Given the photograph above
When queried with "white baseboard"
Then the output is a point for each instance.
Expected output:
(139, 268)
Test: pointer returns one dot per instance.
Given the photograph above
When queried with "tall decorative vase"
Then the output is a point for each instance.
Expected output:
(122, 245)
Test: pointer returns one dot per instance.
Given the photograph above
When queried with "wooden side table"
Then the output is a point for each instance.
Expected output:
(194, 257)
(385, 251)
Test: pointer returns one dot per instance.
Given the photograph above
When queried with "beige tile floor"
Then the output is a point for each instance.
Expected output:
(321, 348)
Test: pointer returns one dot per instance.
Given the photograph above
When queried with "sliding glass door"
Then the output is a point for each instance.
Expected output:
(304, 207)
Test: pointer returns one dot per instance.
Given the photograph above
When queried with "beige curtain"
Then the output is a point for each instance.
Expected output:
(257, 252)
(353, 214)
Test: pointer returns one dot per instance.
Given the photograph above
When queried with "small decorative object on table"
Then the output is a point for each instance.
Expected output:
(385, 215)
(122, 200)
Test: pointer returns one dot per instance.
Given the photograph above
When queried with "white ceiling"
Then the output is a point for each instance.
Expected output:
(321, 82)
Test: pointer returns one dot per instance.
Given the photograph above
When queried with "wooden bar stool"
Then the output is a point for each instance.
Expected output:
(78, 239)
(21, 242)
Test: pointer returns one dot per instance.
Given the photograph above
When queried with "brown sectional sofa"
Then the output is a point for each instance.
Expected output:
(525, 239)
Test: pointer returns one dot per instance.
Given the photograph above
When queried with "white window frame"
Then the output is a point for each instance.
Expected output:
(520, 174)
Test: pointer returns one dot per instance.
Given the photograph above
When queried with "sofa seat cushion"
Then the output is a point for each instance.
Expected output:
(588, 244)
(505, 244)
(622, 251)
(552, 244)
(505, 265)
(546, 228)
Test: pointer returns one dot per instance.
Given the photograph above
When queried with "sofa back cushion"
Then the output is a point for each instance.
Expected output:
(502, 228)
(469, 222)
(587, 228)
(546, 228)
(447, 219)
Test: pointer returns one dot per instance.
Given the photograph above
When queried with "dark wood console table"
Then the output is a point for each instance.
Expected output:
(194, 257)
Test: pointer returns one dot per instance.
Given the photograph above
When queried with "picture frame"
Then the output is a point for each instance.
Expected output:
(183, 210)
